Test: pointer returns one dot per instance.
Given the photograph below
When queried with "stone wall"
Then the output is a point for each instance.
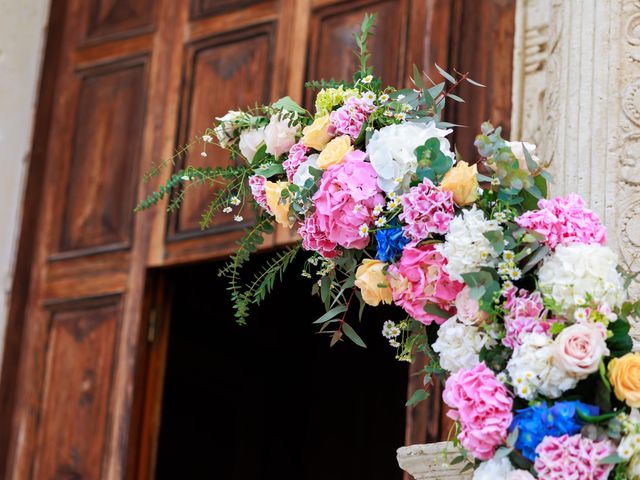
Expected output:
(22, 33)
(577, 96)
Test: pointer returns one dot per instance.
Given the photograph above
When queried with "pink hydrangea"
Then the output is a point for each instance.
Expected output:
(315, 239)
(418, 278)
(525, 311)
(297, 155)
(345, 200)
(563, 221)
(426, 209)
(350, 117)
(483, 406)
(257, 185)
(574, 457)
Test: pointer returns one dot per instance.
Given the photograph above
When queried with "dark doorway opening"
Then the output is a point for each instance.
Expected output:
(271, 400)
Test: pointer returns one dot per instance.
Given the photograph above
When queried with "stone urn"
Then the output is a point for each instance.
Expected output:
(431, 462)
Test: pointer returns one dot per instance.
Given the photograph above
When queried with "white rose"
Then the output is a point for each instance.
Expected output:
(576, 271)
(518, 151)
(279, 136)
(579, 349)
(302, 173)
(250, 142)
(459, 345)
(392, 152)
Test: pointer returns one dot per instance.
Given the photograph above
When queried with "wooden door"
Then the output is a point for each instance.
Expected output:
(125, 83)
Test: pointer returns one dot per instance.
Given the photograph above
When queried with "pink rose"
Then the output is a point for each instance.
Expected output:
(579, 348)
(482, 405)
(418, 278)
(468, 310)
(345, 200)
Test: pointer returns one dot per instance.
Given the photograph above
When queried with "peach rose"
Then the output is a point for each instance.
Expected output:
(317, 134)
(462, 182)
(372, 282)
(279, 206)
(579, 348)
(334, 152)
(624, 375)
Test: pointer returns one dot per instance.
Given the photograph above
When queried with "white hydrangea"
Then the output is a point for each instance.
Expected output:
(532, 369)
(392, 152)
(466, 248)
(575, 271)
(493, 469)
(459, 345)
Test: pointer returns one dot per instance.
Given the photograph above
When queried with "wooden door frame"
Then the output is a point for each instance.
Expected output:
(435, 46)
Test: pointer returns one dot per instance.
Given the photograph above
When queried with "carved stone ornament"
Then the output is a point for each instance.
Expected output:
(432, 462)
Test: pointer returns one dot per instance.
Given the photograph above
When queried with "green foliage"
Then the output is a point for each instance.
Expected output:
(620, 342)
(432, 163)
(164, 190)
(496, 358)
(231, 271)
(362, 38)
(484, 287)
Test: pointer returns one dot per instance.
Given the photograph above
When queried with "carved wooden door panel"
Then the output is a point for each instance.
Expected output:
(125, 83)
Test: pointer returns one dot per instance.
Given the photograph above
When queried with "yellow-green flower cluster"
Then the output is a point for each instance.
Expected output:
(331, 97)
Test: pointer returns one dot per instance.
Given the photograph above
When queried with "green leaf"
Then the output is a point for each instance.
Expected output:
(445, 74)
(331, 314)
(417, 397)
(434, 309)
(496, 238)
(535, 258)
(620, 342)
(612, 459)
(352, 335)
(288, 104)
(602, 370)
(531, 164)
(502, 452)
(467, 467)
(455, 97)
(417, 77)
(270, 170)
(473, 82)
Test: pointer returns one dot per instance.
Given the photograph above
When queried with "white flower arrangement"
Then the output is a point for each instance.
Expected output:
(459, 345)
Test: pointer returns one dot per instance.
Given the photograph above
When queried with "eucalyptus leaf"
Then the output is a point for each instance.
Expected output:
(331, 314)
(417, 397)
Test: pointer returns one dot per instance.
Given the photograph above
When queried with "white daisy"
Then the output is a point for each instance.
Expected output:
(363, 230)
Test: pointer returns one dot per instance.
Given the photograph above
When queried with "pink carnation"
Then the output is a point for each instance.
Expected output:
(563, 221)
(426, 209)
(483, 406)
(347, 195)
(524, 316)
(418, 278)
(257, 185)
(297, 155)
(349, 118)
(574, 457)
(315, 239)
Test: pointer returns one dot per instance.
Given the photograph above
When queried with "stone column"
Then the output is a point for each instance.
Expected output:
(577, 96)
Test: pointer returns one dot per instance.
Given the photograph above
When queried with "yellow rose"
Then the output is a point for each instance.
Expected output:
(334, 152)
(369, 278)
(624, 375)
(462, 182)
(279, 206)
(316, 135)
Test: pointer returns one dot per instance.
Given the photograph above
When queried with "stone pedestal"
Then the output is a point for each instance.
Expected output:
(577, 96)
(431, 462)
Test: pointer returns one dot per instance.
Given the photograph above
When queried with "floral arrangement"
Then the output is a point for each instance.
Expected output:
(518, 304)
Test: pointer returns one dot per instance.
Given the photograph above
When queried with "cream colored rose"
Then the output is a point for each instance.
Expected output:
(579, 348)
(317, 134)
(334, 152)
(372, 282)
(624, 375)
(462, 182)
(468, 310)
(518, 151)
(250, 142)
(279, 136)
(279, 206)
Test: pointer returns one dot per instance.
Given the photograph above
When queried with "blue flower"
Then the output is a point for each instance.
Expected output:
(536, 422)
(390, 241)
